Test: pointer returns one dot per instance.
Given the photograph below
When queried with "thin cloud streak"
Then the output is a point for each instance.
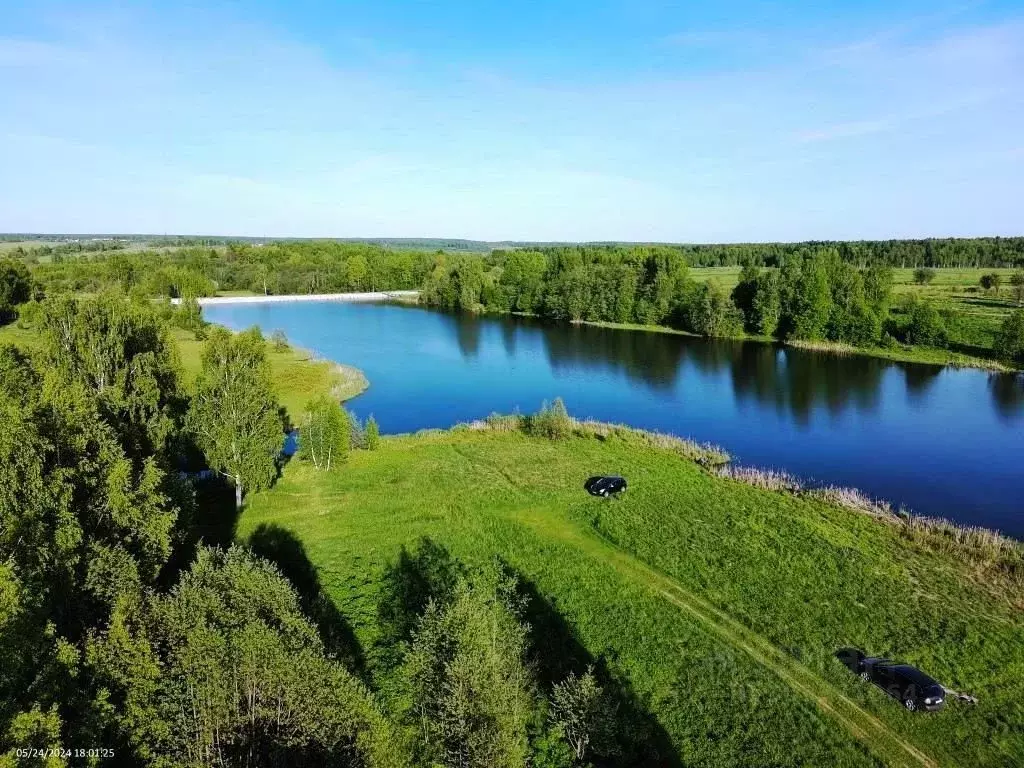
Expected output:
(266, 134)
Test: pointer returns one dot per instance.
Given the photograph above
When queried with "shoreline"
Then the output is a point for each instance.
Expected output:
(936, 356)
(350, 383)
(915, 355)
(718, 462)
(209, 301)
(943, 358)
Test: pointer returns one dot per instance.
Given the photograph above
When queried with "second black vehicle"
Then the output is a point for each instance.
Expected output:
(905, 683)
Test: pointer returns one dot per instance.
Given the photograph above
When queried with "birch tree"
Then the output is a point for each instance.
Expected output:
(324, 435)
(234, 413)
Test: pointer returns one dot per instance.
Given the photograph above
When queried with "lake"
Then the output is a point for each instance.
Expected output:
(939, 441)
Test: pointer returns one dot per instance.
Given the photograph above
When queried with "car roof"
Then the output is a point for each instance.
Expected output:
(914, 674)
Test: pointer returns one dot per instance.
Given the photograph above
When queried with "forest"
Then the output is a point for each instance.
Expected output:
(836, 293)
(815, 295)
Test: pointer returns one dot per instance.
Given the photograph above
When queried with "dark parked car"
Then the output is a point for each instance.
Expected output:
(605, 485)
(903, 682)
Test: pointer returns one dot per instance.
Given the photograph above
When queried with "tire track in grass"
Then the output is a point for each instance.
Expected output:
(878, 737)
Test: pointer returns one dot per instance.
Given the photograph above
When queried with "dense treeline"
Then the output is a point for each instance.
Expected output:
(815, 295)
(977, 252)
(297, 267)
(125, 629)
(330, 265)
(933, 252)
(838, 292)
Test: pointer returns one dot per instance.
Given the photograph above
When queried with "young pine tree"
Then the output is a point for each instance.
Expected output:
(372, 434)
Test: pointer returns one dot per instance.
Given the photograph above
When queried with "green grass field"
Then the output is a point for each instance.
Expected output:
(297, 375)
(10, 245)
(720, 605)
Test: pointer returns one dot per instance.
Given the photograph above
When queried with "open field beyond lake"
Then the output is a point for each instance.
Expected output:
(955, 288)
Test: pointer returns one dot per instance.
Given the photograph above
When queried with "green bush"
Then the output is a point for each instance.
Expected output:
(551, 421)
(1009, 344)
(372, 432)
(711, 313)
(924, 275)
(279, 340)
(1017, 281)
(991, 282)
(925, 325)
(15, 288)
(188, 316)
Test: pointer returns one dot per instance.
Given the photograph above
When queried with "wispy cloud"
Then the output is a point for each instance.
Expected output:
(199, 123)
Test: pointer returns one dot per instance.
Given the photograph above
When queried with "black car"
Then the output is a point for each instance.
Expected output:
(903, 682)
(605, 485)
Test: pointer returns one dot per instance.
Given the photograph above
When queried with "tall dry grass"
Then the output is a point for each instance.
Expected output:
(991, 551)
(765, 479)
(546, 423)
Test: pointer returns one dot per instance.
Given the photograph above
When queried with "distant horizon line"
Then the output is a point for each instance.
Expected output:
(13, 236)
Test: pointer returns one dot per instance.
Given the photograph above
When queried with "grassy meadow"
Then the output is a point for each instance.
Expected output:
(298, 376)
(717, 605)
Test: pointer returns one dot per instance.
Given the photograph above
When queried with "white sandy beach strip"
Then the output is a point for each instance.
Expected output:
(368, 296)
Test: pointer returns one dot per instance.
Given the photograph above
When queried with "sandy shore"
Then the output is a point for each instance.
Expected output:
(369, 296)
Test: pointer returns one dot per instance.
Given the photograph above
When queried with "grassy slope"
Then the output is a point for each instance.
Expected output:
(728, 643)
(297, 376)
(24, 338)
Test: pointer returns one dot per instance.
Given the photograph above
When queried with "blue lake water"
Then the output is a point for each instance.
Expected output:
(939, 441)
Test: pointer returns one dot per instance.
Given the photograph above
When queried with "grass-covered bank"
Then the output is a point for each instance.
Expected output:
(896, 352)
(899, 353)
(905, 353)
(298, 376)
(727, 641)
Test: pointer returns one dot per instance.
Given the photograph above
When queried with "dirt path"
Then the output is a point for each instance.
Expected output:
(881, 740)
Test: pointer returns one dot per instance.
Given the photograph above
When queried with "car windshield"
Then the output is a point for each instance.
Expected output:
(915, 675)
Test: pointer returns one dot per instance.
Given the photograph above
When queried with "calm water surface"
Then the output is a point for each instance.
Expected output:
(939, 441)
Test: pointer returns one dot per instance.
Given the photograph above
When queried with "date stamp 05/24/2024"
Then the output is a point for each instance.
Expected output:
(39, 753)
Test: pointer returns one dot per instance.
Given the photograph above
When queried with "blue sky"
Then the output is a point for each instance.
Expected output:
(632, 120)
